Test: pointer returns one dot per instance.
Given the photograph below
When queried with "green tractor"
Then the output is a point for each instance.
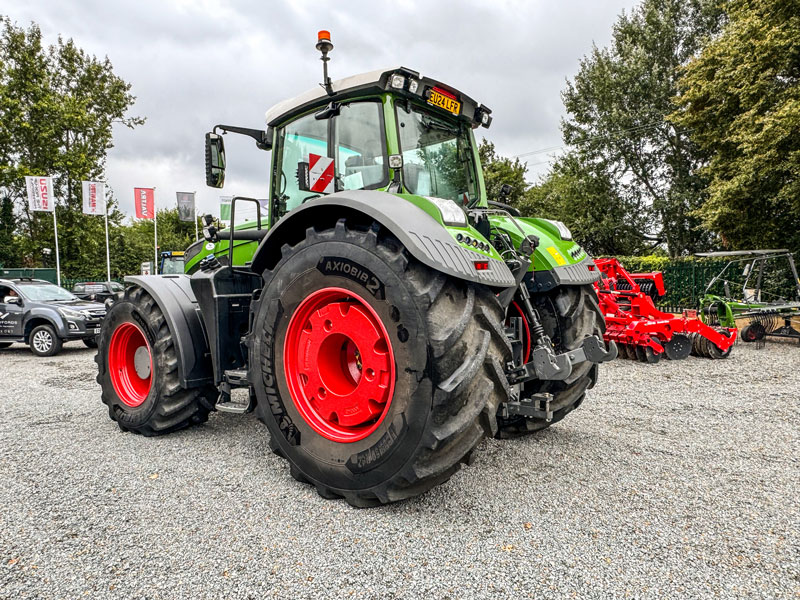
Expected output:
(381, 316)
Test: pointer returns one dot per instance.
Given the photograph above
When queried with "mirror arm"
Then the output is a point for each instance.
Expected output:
(263, 138)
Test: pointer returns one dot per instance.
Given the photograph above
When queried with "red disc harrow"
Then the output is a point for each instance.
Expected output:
(641, 331)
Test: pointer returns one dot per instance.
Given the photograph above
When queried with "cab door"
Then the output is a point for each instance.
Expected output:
(10, 316)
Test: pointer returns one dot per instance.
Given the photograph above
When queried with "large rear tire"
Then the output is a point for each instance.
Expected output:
(345, 308)
(569, 314)
(138, 370)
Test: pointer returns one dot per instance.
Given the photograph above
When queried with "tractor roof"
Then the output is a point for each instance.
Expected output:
(369, 83)
(742, 253)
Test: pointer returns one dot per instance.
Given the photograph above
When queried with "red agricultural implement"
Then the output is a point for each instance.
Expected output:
(641, 331)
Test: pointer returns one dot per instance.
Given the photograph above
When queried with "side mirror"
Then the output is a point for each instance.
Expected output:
(210, 234)
(505, 190)
(12, 300)
(215, 160)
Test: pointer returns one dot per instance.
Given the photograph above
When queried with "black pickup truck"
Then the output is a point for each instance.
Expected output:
(44, 316)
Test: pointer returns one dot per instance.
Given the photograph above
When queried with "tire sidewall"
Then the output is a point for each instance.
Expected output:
(121, 312)
(344, 264)
(55, 346)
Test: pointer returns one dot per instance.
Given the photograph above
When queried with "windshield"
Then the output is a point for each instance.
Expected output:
(437, 156)
(172, 266)
(45, 292)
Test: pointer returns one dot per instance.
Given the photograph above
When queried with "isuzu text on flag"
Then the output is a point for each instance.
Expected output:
(144, 199)
(94, 199)
(40, 193)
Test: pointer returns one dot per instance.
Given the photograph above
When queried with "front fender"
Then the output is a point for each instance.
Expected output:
(175, 298)
(424, 237)
(50, 315)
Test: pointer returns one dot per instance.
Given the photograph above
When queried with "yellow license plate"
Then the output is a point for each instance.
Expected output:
(445, 102)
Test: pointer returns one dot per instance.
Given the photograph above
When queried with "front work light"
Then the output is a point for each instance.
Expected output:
(398, 82)
(451, 212)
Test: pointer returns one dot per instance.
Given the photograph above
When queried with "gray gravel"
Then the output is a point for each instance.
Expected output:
(673, 480)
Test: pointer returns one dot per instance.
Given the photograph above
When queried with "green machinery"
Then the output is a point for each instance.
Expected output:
(766, 298)
(381, 314)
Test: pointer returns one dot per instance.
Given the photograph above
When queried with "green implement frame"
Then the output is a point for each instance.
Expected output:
(768, 317)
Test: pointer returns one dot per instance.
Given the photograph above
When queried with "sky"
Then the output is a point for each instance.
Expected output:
(196, 63)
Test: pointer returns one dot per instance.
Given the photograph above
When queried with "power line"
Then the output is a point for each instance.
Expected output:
(590, 138)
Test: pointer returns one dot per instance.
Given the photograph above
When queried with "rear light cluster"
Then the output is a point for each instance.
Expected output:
(465, 239)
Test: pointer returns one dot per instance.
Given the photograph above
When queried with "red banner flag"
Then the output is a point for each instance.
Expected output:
(144, 200)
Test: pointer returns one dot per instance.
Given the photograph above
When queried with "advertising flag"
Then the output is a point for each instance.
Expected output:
(186, 206)
(94, 198)
(225, 208)
(144, 199)
(40, 193)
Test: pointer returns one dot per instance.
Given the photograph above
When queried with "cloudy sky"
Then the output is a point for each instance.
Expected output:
(196, 63)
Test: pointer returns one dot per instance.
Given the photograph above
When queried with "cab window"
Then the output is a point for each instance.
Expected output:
(296, 141)
(360, 157)
(357, 147)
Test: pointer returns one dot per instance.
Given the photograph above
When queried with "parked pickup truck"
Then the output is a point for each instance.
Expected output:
(44, 316)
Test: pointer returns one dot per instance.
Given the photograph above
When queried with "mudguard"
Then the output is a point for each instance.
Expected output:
(177, 301)
(422, 235)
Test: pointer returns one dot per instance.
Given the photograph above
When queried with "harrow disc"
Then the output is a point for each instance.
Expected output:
(715, 352)
(631, 351)
(696, 349)
(651, 356)
(678, 348)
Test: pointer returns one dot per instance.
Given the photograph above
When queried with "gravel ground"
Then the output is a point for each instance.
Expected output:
(673, 480)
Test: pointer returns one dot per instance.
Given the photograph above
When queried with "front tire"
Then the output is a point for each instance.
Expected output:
(436, 344)
(138, 370)
(569, 314)
(43, 341)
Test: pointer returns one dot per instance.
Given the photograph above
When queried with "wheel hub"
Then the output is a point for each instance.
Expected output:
(339, 365)
(130, 364)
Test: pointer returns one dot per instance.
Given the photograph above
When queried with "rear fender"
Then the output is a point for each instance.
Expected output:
(175, 298)
(424, 237)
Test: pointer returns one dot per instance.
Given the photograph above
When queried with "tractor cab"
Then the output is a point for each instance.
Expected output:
(391, 130)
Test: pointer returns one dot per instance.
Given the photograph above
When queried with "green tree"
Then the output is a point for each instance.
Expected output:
(133, 244)
(617, 104)
(740, 98)
(498, 170)
(8, 246)
(589, 203)
(57, 107)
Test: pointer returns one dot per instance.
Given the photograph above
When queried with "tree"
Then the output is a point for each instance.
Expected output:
(133, 243)
(740, 99)
(498, 170)
(57, 107)
(617, 106)
(601, 221)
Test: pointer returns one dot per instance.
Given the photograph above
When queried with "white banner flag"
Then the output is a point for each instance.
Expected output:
(40, 193)
(94, 198)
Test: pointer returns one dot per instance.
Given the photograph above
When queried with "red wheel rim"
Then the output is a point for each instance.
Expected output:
(130, 364)
(339, 365)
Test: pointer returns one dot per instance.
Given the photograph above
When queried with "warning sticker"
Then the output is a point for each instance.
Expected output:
(320, 174)
(557, 255)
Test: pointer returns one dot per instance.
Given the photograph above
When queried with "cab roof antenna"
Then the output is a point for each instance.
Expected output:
(325, 45)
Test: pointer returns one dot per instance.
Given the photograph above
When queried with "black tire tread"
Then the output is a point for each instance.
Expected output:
(177, 407)
(578, 312)
(466, 352)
